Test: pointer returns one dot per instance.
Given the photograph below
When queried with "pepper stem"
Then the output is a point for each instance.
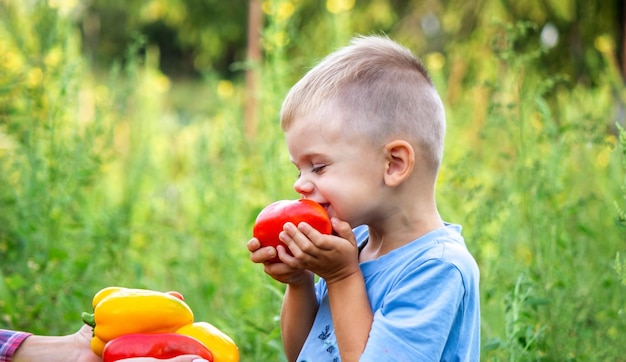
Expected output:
(89, 319)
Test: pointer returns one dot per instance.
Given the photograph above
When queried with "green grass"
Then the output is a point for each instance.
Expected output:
(132, 179)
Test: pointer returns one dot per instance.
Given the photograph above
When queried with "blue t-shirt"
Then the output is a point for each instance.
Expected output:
(425, 300)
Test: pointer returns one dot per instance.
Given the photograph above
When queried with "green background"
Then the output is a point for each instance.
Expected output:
(131, 155)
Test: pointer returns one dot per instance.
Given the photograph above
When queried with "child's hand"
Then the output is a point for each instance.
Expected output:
(260, 254)
(332, 257)
(279, 271)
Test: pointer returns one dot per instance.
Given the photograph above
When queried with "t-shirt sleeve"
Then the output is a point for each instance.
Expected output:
(9, 342)
(417, 318)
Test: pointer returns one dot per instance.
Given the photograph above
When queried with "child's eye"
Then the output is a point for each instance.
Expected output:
(318, 168)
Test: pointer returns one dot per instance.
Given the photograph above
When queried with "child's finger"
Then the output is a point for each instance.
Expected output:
(343, 230)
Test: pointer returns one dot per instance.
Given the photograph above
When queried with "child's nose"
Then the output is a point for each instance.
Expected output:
(303, 186)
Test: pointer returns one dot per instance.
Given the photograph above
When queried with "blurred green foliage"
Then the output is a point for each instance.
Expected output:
(114, 171)
(204, 36)
(192, 35)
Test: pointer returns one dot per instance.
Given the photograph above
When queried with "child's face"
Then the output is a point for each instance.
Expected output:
(338, 168)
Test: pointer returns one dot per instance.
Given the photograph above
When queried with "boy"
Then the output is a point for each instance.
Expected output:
(365, 129)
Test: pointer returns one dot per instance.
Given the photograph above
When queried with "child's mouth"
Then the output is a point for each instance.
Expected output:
(326, 206)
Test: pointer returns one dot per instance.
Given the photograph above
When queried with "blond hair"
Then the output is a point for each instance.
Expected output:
(380, 89)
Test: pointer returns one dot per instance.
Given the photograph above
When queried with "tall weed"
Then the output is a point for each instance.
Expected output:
(129, 178)
(529, 173)
(49, 160)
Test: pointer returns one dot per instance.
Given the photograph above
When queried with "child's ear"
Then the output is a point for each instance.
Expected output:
(400, 158)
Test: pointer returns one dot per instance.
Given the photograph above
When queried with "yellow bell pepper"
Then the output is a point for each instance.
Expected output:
(97, 345)
(103, 293)
(120, 311)
(220, 344)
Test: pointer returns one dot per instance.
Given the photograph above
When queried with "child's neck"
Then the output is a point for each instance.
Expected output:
(382, 241)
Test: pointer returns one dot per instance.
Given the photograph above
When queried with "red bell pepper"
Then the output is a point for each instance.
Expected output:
(271, 220)
(161, 345)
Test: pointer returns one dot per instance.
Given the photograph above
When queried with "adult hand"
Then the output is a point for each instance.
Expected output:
(82, 345)
(71, 347)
